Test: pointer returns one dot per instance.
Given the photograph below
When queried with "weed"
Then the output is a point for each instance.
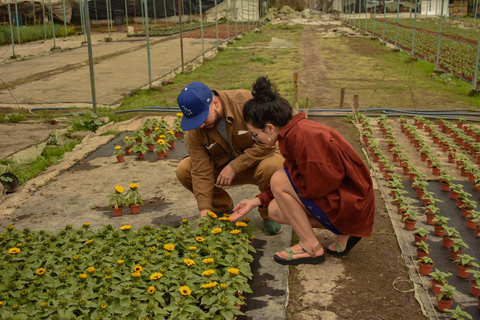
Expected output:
(111, 132)
(89, 122)
(263, 60)
(14, 117)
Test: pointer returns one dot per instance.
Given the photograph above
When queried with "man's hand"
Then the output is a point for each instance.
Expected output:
(244, 207)
(226, 176)
(203, 213)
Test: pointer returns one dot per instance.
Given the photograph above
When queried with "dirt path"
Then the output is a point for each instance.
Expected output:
(372, 281)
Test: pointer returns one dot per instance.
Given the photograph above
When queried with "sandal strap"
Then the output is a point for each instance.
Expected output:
(309, 250)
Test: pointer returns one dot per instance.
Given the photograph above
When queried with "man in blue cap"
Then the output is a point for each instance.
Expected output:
(222, 151)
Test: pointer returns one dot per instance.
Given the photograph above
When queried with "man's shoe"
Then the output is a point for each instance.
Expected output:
(271, 227)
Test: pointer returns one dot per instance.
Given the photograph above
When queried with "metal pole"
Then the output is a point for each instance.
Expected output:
(248, 15)
(110, 19)
(461, 6)
(96, 13)
(17, 22)
(414, 28)
(236, 17)
(44, 25)
(90, 58)
(11, 29)
(190, 2)
(374, 17)
(384, 18)
(154, 13)
(228, 24)
(126, 13)
(475, 17)
(143, 16)
(174, 11)
(396, 31)
(476, 64)
(53, 25)
(216, 21)
(64, 18)
(436, 9)
(181, 36)
(108, 16)
(354, 10)
(439, 37)
(165, 10)
(82, 21)
(148, 46)
(359, 12)
(241, 3)
(366, 16)
(201, 28)
(34, 21)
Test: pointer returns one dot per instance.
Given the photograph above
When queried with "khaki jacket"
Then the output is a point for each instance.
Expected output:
(210, 153)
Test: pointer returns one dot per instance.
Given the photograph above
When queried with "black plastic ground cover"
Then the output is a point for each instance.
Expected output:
(439, 254)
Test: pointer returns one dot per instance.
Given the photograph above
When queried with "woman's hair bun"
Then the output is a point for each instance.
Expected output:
(263, 90)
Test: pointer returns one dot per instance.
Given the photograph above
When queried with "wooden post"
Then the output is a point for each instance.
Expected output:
(342, 97)
(325, 6)
(295, 91)
(355, 103)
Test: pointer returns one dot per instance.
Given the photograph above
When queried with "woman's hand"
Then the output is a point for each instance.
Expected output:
(244, 207)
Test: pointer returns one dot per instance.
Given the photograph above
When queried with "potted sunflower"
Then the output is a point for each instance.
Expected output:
(161, 148)
(129, 143)
(120, 154)
(177, 128)
(140, 149)
(117, 201)
(170, 138)
(134, 199)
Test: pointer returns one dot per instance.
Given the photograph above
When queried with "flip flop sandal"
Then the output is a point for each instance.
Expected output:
(305, 249)
(352, 241)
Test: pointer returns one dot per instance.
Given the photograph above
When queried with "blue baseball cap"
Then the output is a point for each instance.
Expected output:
(194, 101)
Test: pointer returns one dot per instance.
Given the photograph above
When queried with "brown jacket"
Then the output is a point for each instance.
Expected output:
(210, 153)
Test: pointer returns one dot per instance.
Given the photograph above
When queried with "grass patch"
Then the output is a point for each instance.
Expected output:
(263, 60)
(111, 132)
(32, 33)
(50, 156)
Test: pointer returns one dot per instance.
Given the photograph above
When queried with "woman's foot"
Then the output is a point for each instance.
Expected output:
(341, 243)
(342, 246)
(300, 253)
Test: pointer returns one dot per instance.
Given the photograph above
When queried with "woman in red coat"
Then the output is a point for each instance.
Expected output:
(324, 183)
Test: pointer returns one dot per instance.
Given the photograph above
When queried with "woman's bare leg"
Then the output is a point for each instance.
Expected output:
(288, 209)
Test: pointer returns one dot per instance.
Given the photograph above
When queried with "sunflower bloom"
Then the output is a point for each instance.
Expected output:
(210, 285)
(189, 262)
(161, 142)
(223, 285)
(136, 274)
(246, 219)
(138, 269)
(208, 272)
(83, 276)
(126, 227)
(118, 147)
(185, 290)
(41, 271)
(103, 306)
(192, 248)
(236, 231)
(169, 247)
(91, 269)
(212, 214)
(241, 224)
(180, 114)
(133, 186)
(224, 218)
(156, 276)
(126, 138)
(200, 239)
(162, 136)
(151, 290)
(119, 189)
(208, 260)
(233, 270)
(88, 242)
(216, 230)
(14, 250)
(120, 261)
(171, 132)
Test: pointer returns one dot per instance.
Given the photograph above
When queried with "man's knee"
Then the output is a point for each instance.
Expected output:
(267, 167)
(183, 171)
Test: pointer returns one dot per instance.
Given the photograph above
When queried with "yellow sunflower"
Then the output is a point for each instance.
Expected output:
(236, 231)
(200, 239)
(171, 132)
(161, 142)
(246, 219)
(156, 276)
(169, 247)
(212, 214)
(138, 269)
(180, 114)
(189, 262)
(233, 270)
(126, 138)
(118, 147)
(120, 261)
(208, 260)
(126, 227)
(41, 271)
(216, 230)
(192, 248)
(83, 276)
(88, 242)
(241, 224)
(185, 290)
(136, 274)
(133, 186)
(119, 189)
(90, 269)
(162, 136)
(151, 290)
(210, 285)
(208, 272)
(14, 250)
(224, 218)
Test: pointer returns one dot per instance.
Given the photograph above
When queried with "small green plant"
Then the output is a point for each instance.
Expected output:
(469, 204)
(148, 140)
(15, 117)
(117, 199)
(476, 276)
(466, 260)
(458, 314)
(423, 247)
(410, 215)
(138, 135)
(458, 245)
(128, 142)
(119, 151)
(447, 292)
(133, 196)
(440, 276)
(426, 260)
(170, 136)
(140, 148)
(441, 221)
(420, 232)
(89, 122)
(431, 209)
(450, 232)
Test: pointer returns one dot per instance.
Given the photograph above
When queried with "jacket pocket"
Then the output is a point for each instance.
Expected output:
(215, 149)
(240, 142)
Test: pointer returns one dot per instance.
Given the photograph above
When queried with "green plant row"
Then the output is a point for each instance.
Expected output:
(32, 33)
(197, 271)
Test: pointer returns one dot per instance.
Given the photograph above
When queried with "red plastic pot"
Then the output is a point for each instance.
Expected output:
(439, 230)
(134, 209)
(437, 286)
(421, 254)
(117, 212)
(444, 304)
(474, 289)
(462, 271)
(454, 255)
(447, 242)
(410, 225)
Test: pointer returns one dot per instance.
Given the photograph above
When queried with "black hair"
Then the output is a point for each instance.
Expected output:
(266, 106)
